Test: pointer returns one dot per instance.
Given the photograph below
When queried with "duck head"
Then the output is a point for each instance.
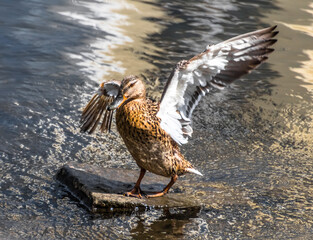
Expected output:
(131, 88)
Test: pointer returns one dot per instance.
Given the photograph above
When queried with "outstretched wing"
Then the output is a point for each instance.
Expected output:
(98, 107)
(216, 67)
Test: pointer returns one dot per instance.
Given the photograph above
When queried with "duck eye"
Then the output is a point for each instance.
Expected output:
(132, 84)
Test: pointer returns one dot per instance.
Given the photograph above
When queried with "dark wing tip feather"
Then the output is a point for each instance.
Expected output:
(268, 29)
(269, 50)
(257, 62)
(271, 41)
(274, 33)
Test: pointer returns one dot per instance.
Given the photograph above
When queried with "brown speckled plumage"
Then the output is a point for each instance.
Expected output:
(151, 147)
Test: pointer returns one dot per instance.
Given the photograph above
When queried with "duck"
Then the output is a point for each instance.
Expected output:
(153, 131)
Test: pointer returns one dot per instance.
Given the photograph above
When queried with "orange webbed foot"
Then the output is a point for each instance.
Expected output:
(156, 194)
(135, 192)
(165, 190)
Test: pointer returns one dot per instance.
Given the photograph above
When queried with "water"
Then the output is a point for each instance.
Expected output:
(252, 141)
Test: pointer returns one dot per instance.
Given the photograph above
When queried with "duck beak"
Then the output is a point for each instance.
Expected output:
(117, 102)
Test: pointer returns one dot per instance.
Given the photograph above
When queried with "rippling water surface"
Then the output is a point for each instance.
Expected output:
(253, 141)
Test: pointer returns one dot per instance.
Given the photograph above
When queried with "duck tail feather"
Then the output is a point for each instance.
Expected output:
(192, 170)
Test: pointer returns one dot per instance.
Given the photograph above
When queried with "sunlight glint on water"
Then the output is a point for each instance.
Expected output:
(123, 30)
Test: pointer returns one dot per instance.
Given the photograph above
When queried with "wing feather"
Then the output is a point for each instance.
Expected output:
(216, 67)
(97, 108)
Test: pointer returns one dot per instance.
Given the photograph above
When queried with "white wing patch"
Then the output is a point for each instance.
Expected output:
(216, 67)
(170, 117)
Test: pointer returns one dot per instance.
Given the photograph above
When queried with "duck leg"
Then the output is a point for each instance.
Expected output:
(136, 191)
(165, 190)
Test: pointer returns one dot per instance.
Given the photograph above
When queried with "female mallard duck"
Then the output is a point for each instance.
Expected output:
(153, 131)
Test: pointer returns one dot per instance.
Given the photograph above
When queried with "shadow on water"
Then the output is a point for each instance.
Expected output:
(253, 141)
(169, 224)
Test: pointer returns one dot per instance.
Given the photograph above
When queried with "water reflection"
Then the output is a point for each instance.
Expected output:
(122, 27)
(294, 88)
(305, 71)
(166, 224)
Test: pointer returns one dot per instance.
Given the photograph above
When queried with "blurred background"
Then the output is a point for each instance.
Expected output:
(253, 141)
